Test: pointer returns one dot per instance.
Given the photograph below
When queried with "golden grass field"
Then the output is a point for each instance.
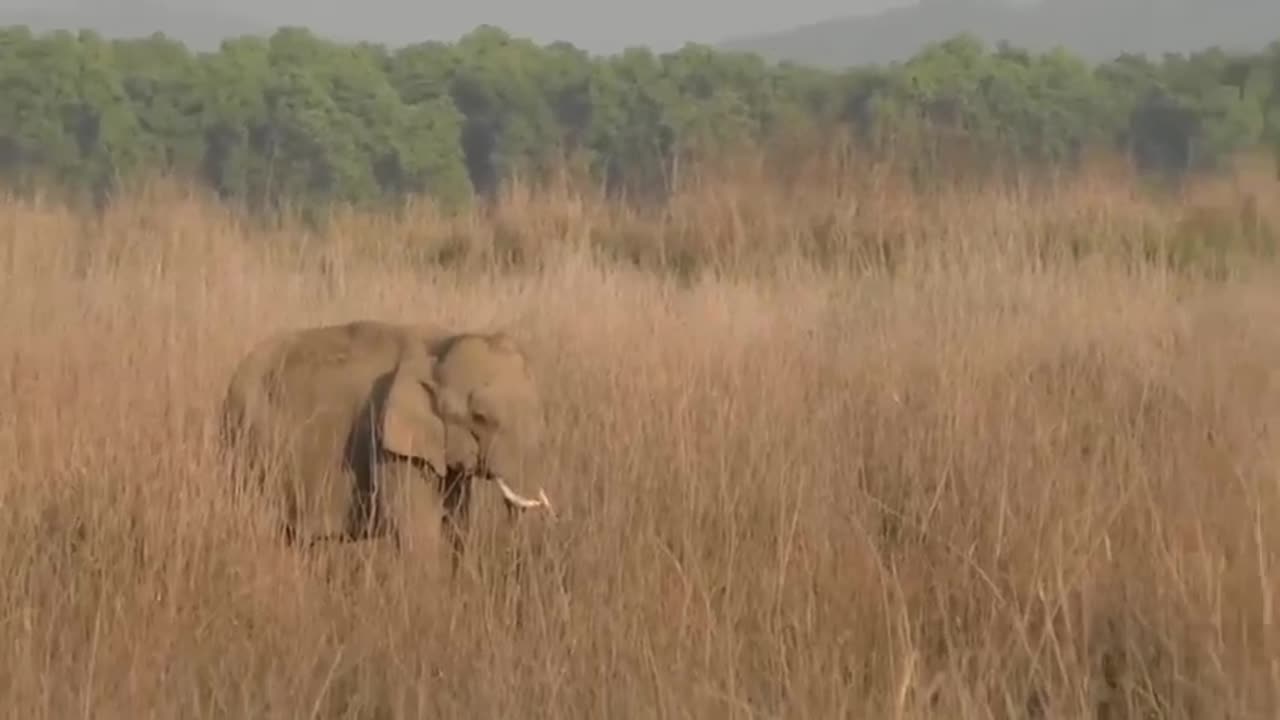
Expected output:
(1008, 453)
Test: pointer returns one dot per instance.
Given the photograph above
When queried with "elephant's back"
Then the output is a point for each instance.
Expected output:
(297, 375)
(354, 348)
(295, 397)
(325, 348)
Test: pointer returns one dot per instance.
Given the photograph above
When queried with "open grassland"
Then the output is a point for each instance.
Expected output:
(1008, 454)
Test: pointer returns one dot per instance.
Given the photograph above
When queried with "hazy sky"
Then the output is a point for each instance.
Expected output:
(595, 25)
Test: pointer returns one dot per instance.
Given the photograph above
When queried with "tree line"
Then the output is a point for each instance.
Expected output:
(295, 118)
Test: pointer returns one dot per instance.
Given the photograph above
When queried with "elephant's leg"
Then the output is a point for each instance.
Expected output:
(412, 514)
(456, 494)
(250, 468)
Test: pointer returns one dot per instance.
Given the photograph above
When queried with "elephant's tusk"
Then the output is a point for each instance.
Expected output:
(514, 498)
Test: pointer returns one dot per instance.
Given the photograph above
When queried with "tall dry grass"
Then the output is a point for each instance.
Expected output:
(818, 450)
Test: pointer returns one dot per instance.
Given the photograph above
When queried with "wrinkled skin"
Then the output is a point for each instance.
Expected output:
(369, 429)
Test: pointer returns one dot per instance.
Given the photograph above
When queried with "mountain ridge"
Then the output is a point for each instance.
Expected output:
(1095, 30)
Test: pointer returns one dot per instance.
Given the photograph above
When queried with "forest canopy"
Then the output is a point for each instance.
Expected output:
(293, 117)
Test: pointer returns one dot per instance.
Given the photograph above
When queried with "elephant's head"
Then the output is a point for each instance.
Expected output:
(475, 388)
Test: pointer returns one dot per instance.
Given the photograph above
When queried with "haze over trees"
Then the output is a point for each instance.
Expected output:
(1096, 30)
(202, 27)
(599, 26)
(297, 118)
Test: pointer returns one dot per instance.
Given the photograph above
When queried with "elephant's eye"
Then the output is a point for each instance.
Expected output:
(482, 419)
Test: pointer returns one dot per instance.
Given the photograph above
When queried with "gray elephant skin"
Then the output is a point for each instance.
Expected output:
(371, 429)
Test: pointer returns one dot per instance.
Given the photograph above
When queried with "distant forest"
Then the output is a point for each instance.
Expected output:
(296, 118)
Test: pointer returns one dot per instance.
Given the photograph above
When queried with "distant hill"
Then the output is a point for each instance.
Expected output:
(197, 29)
(1094, 29)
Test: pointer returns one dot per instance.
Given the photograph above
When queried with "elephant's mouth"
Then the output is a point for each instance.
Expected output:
(513, 499)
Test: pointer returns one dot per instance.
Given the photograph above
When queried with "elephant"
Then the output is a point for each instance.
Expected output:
(357, 428)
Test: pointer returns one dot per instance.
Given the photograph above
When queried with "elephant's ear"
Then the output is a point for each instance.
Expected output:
(409, 424)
